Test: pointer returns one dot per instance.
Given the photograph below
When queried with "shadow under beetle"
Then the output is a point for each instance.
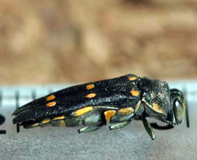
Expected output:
(118, 100)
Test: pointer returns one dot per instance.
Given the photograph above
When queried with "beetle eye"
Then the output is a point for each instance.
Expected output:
(179, 111)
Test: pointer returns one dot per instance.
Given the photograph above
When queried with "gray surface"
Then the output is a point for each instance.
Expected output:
(130, 143)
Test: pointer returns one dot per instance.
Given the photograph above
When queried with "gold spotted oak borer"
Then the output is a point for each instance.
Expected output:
(118, 101)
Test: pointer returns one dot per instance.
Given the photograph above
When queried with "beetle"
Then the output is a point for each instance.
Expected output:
(118, 100)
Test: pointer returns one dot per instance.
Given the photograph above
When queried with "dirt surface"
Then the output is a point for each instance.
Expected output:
(77, 41)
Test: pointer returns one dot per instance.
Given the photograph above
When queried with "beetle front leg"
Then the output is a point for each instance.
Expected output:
(149, 129)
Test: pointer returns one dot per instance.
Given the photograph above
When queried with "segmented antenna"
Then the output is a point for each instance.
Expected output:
(187, 109)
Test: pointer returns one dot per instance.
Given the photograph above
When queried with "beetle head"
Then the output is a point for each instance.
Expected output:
(156, 98)
(178, 107)
(162, 103)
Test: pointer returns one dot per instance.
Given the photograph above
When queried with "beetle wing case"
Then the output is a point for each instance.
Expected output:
(78, 101)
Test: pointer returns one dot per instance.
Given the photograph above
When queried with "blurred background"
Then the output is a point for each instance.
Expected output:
(60, 42)
(67, 41)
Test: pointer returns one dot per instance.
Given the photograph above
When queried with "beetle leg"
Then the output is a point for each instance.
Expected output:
(149, 129)
(121, 121)
(119, 125)
(119, 118)
(90, 128)
(92, 122)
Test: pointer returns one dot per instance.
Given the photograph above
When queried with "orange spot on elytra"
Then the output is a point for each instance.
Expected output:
(35, 125)
(135, 92)
(59, 118)
(51, 97)
(126, 111)
(90, 86)
(45, 121)
(84, 110)
(91, 95)
(51, 104)
(132, 78)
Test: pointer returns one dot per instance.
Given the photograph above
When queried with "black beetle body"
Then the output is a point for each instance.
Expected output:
(117, 100)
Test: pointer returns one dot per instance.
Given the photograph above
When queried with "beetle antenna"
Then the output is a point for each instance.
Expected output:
(187, 109)
(187, 116)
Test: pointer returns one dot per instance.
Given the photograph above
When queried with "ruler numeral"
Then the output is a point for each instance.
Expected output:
(2, 120)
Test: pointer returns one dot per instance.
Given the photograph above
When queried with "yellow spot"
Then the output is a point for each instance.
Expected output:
(62, 123)
(51, 97)
(126, 111)
(132, 78)
(59, 118)
(84, 110)
(35, 125)
(91, 95)
(108, 114)
(51, 104)
(90, 86)
(137, 106)
(45, 121)
(157, 108)
(135, 92)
